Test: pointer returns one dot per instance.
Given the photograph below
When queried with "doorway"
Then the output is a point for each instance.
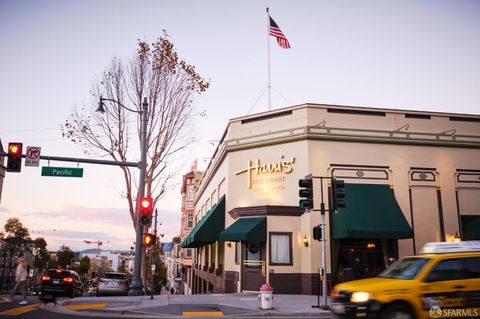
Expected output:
(253, 265)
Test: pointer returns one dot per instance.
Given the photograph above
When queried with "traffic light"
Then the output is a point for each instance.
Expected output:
(317, 233)
(338, 194)
(146, 211)
(305, 193)
(149, 240)
(14, 161)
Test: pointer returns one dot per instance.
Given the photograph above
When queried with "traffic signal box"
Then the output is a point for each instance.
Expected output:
(14, 161)
(306, 193)
(146, 210)
(149, 240)
(317, 233)
(338, 194)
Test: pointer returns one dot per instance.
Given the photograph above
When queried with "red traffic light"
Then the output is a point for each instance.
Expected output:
(146, 204)
(14, 149)
(149, 239)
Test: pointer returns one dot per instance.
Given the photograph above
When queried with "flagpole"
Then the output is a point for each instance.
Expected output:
(269, 86)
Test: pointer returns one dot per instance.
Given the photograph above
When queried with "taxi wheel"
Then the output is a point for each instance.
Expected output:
(397, 312)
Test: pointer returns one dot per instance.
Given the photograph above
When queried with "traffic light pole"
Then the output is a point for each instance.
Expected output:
(323, 274)
(153, 257)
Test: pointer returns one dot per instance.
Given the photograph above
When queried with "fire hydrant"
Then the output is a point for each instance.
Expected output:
(266, 296)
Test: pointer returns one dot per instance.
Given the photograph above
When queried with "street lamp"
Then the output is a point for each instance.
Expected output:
(136, 287)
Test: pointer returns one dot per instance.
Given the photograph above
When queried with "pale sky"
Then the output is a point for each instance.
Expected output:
(415, 55)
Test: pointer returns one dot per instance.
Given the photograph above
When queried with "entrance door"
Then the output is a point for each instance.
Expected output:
(253, 265)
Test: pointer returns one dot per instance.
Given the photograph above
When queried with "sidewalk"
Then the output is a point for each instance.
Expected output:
(243, 305)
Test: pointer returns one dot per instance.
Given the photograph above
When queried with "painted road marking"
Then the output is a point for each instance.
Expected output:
(87, 306)
(20, 310)
(202, 313)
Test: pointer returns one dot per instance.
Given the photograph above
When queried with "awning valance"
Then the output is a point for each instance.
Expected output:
(372, 212)
(208, 228)
(246, 229)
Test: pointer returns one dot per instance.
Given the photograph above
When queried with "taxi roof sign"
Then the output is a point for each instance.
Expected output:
(450, 247)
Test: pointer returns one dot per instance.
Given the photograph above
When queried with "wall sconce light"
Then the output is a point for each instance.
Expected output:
(457, 237)
(371, 245)
(229, 243)
(305, 241)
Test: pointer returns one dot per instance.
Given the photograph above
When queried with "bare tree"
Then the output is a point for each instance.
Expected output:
(170, 85)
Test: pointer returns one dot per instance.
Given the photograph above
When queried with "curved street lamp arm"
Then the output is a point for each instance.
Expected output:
(102, 109)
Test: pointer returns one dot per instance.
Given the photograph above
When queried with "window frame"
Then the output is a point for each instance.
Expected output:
(290, 244)
(190, 220)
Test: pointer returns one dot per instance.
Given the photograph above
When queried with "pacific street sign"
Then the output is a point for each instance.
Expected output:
(62, 171)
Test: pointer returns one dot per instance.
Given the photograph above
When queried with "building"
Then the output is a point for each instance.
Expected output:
(410, 177)
(104, 260)
(188, 190)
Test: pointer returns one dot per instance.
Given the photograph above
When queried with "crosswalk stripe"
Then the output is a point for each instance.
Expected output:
(202, 313)
(20, 310)
(87, 306)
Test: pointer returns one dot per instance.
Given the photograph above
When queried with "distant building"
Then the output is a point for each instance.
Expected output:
(188, 191)
(105, 261)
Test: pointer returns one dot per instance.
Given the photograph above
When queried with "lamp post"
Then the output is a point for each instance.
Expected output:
(136, 287)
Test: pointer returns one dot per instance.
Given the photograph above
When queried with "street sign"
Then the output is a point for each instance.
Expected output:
(32, 156)
(62, 171)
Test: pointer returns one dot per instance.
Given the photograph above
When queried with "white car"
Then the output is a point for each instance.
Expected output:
(112, 283)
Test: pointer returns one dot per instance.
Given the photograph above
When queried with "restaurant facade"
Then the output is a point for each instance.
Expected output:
(411, 177)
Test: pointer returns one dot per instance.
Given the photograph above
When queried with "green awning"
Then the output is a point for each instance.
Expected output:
(470, 227)
(246, 229)
(207, 230)
(372, 212)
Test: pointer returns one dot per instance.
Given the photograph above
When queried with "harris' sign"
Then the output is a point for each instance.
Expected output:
(256, 169)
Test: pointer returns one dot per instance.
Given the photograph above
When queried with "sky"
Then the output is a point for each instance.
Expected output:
(410, 55)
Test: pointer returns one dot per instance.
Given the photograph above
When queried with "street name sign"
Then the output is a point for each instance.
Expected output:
(62, 171)
(32, 156)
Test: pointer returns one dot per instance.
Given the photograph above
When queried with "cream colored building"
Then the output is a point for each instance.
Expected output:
(411, 177)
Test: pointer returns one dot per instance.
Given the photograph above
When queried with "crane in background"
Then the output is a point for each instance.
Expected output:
(98, 242)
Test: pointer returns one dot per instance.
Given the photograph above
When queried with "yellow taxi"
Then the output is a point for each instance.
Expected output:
(443, 281)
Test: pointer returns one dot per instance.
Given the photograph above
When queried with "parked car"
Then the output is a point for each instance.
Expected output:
(112, 283)
(59, 282)
(442, 281)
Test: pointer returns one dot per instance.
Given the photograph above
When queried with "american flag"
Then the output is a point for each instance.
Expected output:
(276, 32)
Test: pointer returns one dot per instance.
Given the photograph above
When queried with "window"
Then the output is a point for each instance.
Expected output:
(189, 253)
(237, 255)
(281, 249)
(190, 193)
(450, 269)
(189, 220)
(407, 268)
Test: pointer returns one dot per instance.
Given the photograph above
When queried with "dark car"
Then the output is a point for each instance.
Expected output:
(112, 283)
(59, 282)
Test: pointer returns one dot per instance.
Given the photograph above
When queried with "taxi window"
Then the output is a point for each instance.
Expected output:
(450, 269)
(407, 268)
(472, 265)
